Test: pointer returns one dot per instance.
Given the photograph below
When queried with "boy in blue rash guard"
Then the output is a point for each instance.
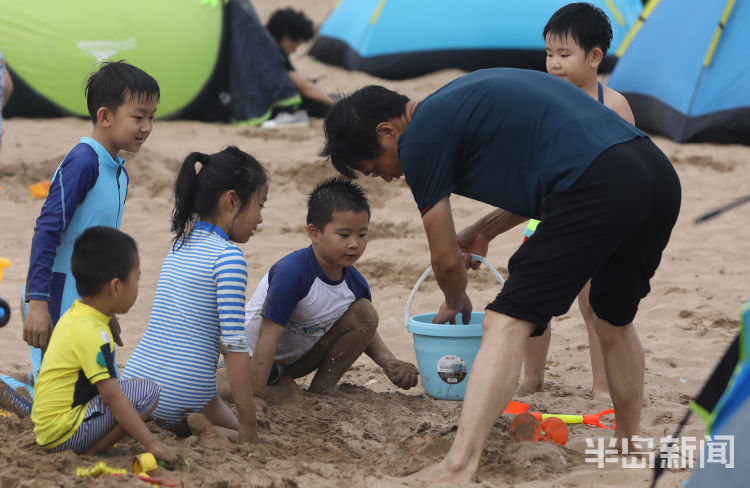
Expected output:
(88, 189)
(312, 311)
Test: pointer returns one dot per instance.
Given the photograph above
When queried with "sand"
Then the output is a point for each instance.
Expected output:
(375, 434)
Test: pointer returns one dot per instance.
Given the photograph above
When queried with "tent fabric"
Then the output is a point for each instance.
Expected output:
(400, 39)
(685, 73)
(213, 60)
(724, 405)
(729, 418)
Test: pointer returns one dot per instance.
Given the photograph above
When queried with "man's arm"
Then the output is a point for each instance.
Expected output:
(308, 89)
(476, 237)
(269, 337)
(445, 257)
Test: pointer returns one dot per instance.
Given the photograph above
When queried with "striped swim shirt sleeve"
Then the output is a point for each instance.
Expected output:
(230, 276)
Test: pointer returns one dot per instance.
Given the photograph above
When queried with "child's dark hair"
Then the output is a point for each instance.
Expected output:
(115, 80)
(291, 23)
(333, 195)
(587, 24)
(101, 254)
(203, 178)
(350, 126)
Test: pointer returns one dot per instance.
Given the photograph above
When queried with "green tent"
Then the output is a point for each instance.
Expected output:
(213, 60)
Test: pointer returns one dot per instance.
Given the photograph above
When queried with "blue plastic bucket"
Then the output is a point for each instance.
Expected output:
(445, 352)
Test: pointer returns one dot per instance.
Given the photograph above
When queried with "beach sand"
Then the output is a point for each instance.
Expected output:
(374, 434)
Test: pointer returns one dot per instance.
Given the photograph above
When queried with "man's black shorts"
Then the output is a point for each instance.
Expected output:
(611, 226)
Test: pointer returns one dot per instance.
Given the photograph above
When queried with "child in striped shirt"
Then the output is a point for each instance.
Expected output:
(199, 303)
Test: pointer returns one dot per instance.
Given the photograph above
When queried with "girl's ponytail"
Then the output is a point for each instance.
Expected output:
(203, 178)
(185, 193)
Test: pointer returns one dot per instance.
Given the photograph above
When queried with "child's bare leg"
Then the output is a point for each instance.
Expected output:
(337, 350)
(221, 417)
(600, 387)
(114, 434)
(207, 433)
(534, 358)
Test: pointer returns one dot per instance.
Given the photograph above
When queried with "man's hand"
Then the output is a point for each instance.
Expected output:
(447, 312)
(114, 328)
(471, 241)
(402, 374)
(38, 326)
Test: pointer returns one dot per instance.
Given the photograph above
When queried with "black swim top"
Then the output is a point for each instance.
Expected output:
(601, 92)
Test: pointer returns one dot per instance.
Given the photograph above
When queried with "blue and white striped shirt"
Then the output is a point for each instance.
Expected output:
(198, 308)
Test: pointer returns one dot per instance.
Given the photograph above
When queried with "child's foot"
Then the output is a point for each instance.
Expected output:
(208, 437)
(528, 387)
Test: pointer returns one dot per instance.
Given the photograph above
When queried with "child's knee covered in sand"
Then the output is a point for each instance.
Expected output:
(363, 315)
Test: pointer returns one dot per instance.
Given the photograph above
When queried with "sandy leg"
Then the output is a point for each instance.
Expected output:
(208, 436)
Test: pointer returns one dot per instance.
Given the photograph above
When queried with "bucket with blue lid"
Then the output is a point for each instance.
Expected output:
(445, 352)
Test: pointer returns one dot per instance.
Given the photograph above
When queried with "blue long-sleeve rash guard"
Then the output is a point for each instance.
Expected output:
(88, 189)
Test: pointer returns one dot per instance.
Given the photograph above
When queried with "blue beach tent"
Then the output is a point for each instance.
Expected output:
(724, 405)
(400, 39)
(685, 70)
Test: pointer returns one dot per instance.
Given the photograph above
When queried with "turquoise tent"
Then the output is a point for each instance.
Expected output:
(213, 59)
(724, 405)
(405, 38)
(685, 70)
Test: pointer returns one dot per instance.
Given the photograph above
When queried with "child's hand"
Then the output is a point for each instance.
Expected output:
(402, 374)
(37, 328)
(163, 452)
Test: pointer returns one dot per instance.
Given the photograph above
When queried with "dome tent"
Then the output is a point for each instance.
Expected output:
(213, 60)
(685, 73)
(400, 39)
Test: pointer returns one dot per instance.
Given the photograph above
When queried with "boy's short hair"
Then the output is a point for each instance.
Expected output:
(100, 255)
(587, 24)
(291, 23)
(350, 126)
(333, 195)
(115, 80)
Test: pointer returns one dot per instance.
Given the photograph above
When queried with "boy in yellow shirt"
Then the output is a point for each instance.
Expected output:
(80, 404)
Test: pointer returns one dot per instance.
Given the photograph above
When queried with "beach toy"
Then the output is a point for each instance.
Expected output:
(515, 408)
(40, 190)
(525, 427)
(445, 352)
(145, 464)
(555, 431)
(99, 469)
(5, 413)
(4, 307)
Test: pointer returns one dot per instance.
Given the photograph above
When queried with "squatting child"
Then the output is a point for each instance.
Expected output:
(81, 405)
(313, 310)
(198, 308)
(577, 38)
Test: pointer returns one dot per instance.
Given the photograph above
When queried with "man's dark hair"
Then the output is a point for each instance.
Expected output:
(291, 23)
(115, 80)
(587, 24)
(333, 195)
(350, 126)
(100, 255)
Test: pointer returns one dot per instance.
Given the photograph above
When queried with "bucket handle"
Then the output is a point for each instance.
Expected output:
(407, 311)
